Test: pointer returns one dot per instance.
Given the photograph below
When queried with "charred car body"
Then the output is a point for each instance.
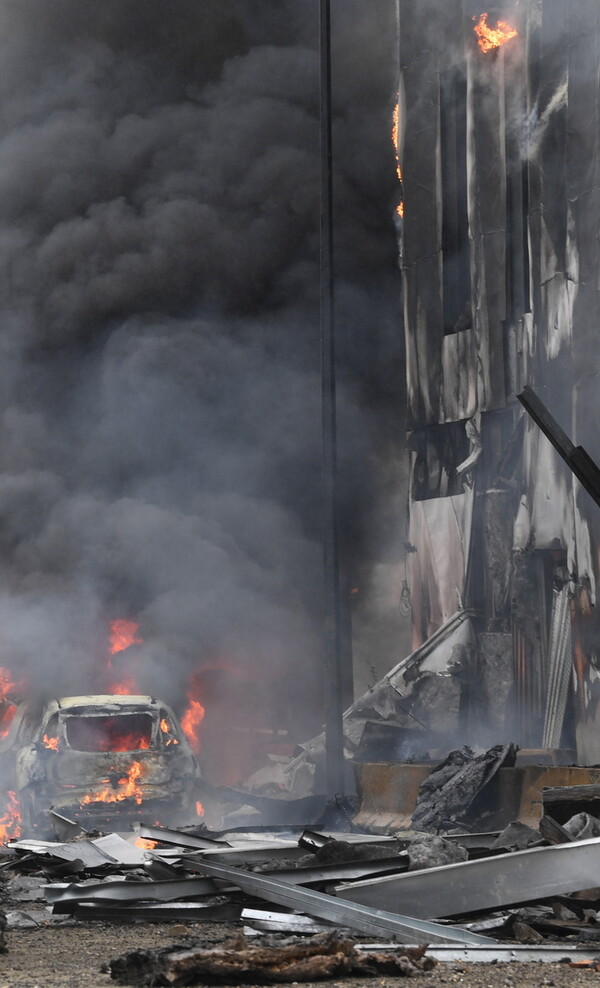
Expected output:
(101, 759)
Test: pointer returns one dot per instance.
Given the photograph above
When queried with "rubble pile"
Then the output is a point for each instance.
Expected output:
(523, 893)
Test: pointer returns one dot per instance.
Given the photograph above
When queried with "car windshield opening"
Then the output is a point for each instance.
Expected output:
(125, 732)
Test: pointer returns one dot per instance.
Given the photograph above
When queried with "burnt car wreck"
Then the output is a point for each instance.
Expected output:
(100, 758)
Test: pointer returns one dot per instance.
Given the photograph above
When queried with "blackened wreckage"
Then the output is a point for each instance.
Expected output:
(499, 154)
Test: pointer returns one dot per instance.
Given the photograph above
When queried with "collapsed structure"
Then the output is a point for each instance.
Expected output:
(498, 147)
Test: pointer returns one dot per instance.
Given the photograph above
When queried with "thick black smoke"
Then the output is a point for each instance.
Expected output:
(159, 364)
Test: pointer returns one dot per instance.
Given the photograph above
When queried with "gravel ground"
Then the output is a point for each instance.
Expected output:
(73, 955)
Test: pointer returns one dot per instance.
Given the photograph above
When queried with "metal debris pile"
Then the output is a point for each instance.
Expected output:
(521, 894)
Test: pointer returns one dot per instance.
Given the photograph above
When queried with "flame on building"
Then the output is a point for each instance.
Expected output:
(396, 143)
(489, 38)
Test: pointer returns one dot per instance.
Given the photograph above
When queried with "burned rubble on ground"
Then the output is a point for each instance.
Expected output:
(293, 898)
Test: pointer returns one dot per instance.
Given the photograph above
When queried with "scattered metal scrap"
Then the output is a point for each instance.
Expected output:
(175, 879)
(374, 922)
(489, 883)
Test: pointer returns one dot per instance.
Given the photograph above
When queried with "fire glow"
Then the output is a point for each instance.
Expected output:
(166, 730)
(8, 708)
(396, 143)
(130, 789)
(190, 723)
(489, 38)
(10, 821)
(122, 634)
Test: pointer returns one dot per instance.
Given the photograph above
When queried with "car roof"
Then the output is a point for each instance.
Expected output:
(106, 700)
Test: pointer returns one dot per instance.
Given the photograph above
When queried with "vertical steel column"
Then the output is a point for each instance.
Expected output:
(334, 732)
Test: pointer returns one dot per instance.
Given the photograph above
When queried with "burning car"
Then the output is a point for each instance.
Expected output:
(101, 759)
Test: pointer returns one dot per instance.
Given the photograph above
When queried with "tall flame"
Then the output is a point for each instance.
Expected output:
(190, 722)
(396, 143)
(490, 38)
(123, 634)
(8, 708)
(10, 821)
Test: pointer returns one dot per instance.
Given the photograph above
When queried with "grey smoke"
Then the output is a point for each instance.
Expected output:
(159, 352)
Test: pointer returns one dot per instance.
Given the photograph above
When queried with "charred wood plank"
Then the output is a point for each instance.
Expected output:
(553, 831)
(570, 794)
(316, 959)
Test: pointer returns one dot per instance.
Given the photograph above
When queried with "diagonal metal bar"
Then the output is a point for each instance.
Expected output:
(488, 883)
(367, 920)
(178, 838)
(576, 457)
(506, 952)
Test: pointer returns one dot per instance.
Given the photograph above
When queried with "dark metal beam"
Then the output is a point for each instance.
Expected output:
(576, 458)
(333, 647)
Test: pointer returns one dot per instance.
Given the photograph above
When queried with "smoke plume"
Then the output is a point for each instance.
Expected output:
(160, 433)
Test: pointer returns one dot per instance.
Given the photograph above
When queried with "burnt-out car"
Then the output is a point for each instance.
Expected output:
(101, 760)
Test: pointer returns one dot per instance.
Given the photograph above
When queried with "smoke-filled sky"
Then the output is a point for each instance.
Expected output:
(159, 371)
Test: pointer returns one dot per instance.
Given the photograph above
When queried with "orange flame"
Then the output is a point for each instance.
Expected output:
(10, 821)
(122, 635)
(190, 722)
(8, 709)
(131, 789)
(199, 809)
(144, 844)
(490, 38)
(126, 687)
(396, 143)
(166, 729)
(51, 743)
(396, 139)
(7, 715)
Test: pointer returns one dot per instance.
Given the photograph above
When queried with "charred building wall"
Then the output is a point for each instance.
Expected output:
(501, 260)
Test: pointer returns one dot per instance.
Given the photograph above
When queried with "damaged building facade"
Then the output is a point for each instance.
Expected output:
(500, 254)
